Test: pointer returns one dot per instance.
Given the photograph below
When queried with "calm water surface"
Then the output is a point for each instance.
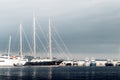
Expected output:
(60, 73)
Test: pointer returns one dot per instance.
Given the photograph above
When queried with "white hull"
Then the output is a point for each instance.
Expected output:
(21, 62)
(40, 60)
(65, 63)
(7, 62)
(4, 61)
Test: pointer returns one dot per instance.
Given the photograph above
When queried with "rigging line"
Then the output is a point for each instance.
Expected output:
(41, 43)
(54, 40)
(42, 34)
(118, 51)
(58, 34)
(59, 47)
(62, 41)
(27, 40)
(42, 31)
(15, 40)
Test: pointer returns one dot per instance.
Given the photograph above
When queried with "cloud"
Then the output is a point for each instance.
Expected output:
(87, 26)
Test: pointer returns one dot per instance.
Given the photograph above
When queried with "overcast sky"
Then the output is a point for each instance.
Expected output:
(88, 27)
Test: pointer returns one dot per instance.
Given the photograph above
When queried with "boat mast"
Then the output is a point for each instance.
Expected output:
(34, 35)
(9, 47)
(50, 41)
(21, 54)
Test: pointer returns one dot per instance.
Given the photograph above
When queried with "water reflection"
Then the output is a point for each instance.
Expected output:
(5, 73)
(50, 73)
(59, 73)
(34, 73)
(31, 73)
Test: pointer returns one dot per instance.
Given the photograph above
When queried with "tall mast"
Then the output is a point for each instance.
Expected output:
(21, 54)
(34, 35)
(50, 41)
(9, 47)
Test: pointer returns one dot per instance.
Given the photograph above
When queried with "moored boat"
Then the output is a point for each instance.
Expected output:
(93, 62)
(86, 62)
(109, 63)
(46, 61)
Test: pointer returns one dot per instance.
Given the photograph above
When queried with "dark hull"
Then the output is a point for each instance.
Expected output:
(43, 63)
(109, 64)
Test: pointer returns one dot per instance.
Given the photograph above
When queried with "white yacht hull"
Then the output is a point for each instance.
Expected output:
(7, 62)
(12, 61)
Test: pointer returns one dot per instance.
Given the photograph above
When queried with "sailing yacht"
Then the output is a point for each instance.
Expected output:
(7, 60)
(46, 61)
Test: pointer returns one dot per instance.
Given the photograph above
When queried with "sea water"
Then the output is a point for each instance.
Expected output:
(59, 73)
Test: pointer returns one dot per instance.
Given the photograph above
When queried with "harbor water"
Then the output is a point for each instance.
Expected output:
(59, 73)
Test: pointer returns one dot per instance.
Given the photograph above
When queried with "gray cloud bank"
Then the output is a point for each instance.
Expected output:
(86, 26)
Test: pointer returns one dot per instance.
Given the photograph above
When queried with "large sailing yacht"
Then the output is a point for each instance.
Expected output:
(7, 60)
(46, 61)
